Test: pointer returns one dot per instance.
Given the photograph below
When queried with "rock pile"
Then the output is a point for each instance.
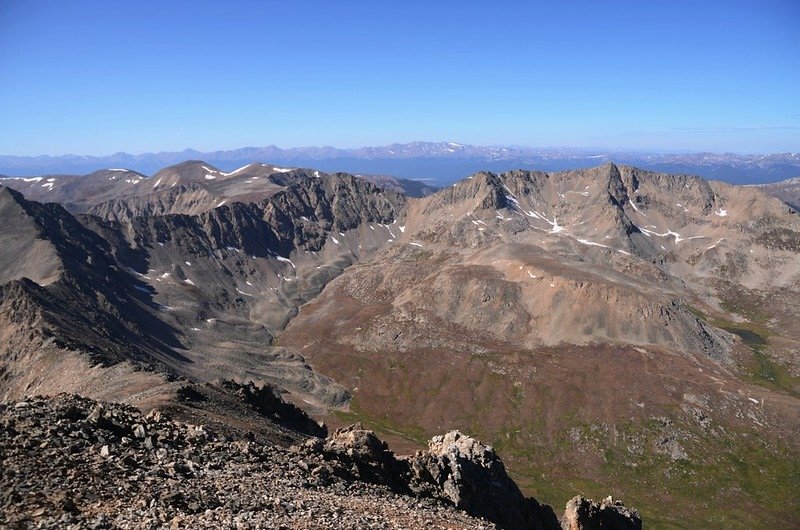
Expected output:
(70, 462)
(457, 469)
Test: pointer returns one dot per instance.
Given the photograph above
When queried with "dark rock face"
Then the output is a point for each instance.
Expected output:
(585, 514)
(337, 203)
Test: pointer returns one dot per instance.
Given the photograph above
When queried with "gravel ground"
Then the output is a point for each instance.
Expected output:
(69, 462)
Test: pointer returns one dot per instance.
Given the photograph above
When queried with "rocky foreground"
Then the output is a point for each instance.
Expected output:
(71, 462)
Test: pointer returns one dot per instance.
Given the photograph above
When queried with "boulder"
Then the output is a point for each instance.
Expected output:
(365, 457)
(586, 514)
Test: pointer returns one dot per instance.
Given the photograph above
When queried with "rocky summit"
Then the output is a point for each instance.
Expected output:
(71, 462)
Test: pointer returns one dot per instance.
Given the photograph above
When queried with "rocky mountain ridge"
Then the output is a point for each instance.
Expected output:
(509, 305)
(787, 190)
(191, 187)
(122, 321)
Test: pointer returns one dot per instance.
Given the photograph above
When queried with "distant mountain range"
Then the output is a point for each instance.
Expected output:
(439, 163)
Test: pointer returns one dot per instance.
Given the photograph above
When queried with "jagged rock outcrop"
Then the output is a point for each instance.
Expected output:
(469, 474)
(586, 514)
(455, 468)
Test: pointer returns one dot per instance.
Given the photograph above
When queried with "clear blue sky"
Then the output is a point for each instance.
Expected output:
(96, 77)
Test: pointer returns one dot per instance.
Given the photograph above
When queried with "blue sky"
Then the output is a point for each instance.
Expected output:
(97, 77)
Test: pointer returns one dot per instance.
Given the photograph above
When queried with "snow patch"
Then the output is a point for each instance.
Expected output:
(190, 282)
(635, 208)
(402, 229)
(514, 203)
(416, 244)
(210, 177)
(157, 183)
(556, 228)
(592, 243)
(223, 201)
(286, 260)
(335, 240)
(389, 230)
(721, 212)
(234, 171)
(281, 169)
(677, 236)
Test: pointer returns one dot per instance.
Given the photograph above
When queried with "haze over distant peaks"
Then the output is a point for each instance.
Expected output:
(437, 162)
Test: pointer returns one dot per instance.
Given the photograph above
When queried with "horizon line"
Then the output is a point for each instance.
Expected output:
(598, 150)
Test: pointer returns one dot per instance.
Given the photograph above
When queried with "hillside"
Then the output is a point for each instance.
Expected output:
(787, 190)
(630, 319)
